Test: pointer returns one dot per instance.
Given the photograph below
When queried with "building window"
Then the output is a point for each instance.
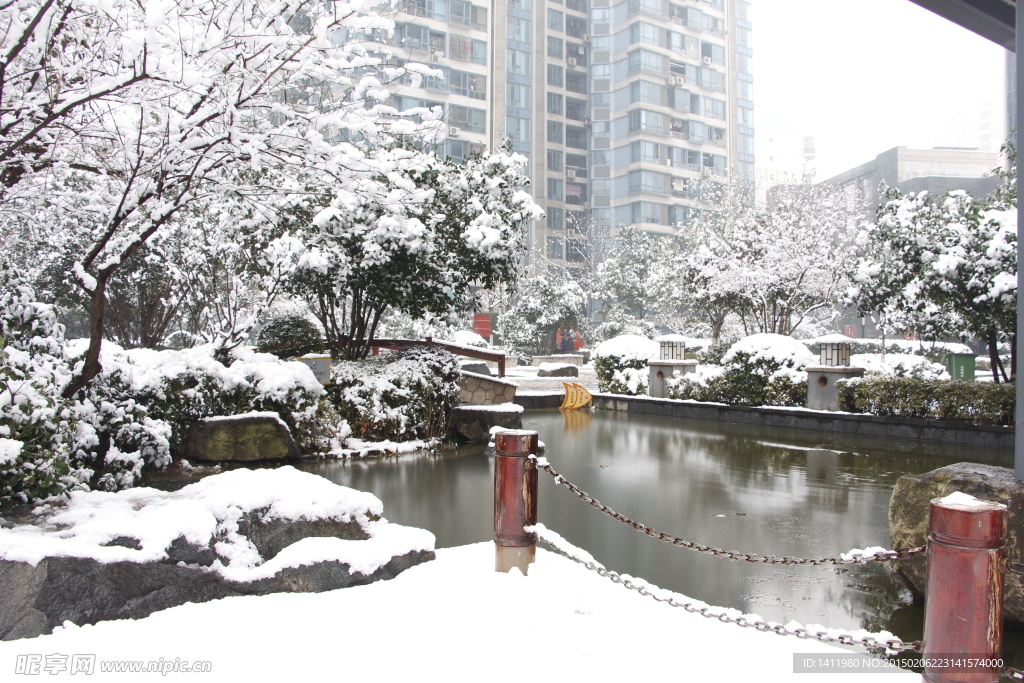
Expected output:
(577, 52)
(642, 119)
(411, 36)
(519, 29)
(714, 109)
(575, 137)
(575, 251)
(645, 212)
(479, 18)
(554, 47)
(576, 82)
(469, 85)
(554, 131)
(554, 218)
(642, 32)
(646, 181)
(643, 60)
(712, 80)
(555, 189)
(517, 129)
(575, 109)
(716, 53)
(555, 103)
(554, 247)
(518, 62)
(469, 120)
(575, 194)
(518, 95)
(555, 75)
(554, 160)
(644, 151)
(555, 22)
(645, 91)
(576, 26)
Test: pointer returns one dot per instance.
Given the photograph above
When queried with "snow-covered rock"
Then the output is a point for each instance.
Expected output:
(244, 532)
(558, 370)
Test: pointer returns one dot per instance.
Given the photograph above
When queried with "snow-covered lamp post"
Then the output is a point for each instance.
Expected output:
(671, 360)
(834, 359)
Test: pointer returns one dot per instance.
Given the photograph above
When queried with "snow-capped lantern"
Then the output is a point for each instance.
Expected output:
(673, 350)
(835, 354)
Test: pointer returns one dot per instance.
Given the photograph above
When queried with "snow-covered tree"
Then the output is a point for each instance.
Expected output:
(943, 266)
(777, 268)
(115, 116)
(545, 302)
(622, 281)
(464, 226)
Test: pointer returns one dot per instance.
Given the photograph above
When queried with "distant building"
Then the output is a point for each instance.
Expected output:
(936, 170)
(784, 157)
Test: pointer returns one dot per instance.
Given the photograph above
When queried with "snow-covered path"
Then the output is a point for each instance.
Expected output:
(450, 620)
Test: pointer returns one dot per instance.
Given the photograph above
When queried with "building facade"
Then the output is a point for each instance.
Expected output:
(621, 108)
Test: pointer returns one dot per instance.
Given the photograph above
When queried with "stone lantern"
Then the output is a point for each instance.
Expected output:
(834, 364)
(671, 360)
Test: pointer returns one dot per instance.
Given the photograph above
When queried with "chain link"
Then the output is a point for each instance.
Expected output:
(881, 556)
(743, 621)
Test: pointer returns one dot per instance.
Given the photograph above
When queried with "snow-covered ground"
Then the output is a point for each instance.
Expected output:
(527, 379)
(453, 619)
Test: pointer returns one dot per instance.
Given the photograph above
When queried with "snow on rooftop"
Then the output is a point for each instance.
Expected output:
(439, 620)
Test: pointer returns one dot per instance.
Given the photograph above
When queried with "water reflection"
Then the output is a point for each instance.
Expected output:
(731, 486)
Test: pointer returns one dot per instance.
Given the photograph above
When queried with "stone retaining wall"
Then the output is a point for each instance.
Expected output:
(957, 433)
(474, 388)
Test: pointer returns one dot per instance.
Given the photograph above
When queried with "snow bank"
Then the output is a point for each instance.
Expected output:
(548, 367)
(444, 603)
(208, 512)
(628, 347)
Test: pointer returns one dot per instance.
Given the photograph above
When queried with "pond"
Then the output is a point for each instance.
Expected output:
(726, 485)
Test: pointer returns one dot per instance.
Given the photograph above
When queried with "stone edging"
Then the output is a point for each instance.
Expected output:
(959, 433)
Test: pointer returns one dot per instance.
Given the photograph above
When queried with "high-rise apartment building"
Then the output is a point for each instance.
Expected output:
(621, 108)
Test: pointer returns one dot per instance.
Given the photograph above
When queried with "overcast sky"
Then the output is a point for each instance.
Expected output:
(863, 76)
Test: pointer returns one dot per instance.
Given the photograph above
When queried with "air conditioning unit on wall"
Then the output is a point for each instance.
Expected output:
(707, 61)
(570, 174)
(454, 131)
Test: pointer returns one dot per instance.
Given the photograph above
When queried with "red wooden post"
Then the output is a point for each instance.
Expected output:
(515, 500)
(963, 613)
(501, 366)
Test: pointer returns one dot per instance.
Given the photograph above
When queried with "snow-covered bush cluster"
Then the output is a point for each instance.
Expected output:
(762, 369)
(545, 303)
(899, 365)
(397, 395)
(978, 402)
(284, 334)
(621, 364)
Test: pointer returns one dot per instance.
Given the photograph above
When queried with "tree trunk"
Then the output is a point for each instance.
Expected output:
(91, 368)
(993, 356)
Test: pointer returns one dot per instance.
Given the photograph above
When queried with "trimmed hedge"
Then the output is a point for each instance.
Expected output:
(976, 402)
(616, 375)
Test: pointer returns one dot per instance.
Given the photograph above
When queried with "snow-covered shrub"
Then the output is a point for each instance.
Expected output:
(618, 327)
(467, 338)
(282, 335)
(899, 365)
(621, 364)
(977, 402)
(761, 370)
(182, 387)
(397, 395)
(35, 422)
(700, 385)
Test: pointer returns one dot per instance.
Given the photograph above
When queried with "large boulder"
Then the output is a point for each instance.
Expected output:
(246, 532)
(478, 367)
(474, 422)
(908, 521)
(248, 437)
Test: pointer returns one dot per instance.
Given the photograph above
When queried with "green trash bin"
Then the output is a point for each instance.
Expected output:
(960, 365)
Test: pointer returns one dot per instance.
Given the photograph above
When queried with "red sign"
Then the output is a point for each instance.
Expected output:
(482, 324)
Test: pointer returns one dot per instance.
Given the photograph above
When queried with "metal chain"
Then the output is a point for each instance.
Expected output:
(744, 621)
(881, 556)
(1015, 674)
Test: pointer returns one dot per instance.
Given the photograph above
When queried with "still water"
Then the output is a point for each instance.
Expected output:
(725, 485)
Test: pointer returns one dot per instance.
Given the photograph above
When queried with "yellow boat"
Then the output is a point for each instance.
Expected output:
(575, 397)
